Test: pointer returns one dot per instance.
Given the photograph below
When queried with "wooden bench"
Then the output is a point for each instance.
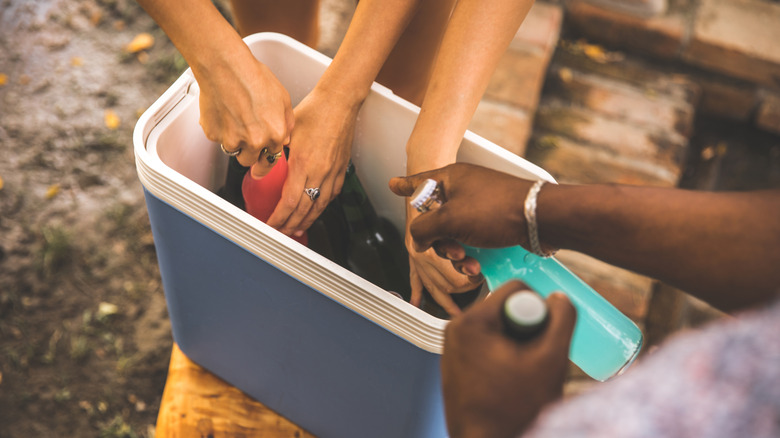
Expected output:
(196, 403)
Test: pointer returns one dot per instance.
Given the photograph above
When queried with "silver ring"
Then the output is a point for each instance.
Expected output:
(229, 153)
(313, 192)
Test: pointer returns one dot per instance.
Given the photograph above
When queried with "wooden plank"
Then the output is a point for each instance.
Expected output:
(196, 403)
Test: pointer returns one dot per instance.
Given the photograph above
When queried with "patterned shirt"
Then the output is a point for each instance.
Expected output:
(719, 381)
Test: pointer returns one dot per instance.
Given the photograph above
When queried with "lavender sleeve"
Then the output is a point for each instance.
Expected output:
(719, 381)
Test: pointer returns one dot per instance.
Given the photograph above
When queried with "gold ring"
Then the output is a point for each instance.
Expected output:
(272, 158)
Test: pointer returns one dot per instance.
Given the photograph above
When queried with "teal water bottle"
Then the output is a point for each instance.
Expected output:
(605, 341)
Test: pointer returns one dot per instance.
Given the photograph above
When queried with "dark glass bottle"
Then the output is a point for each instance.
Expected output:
(375, 250)
(231, 191)
(329, 234)
(462, 300)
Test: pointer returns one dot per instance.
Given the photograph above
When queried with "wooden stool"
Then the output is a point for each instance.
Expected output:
(196, 403)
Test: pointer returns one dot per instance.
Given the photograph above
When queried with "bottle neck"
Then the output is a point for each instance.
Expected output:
(355, 203)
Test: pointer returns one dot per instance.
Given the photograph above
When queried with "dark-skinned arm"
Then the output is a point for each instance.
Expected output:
(719, 246)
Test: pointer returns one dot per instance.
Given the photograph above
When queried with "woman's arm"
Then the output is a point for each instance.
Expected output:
(324, 121)
(478, 34)
(243, 105)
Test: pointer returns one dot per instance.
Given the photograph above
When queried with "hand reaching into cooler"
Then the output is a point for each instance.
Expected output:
(320, 149)
(484, 208)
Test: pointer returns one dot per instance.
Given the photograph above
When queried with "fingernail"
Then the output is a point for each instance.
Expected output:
(298, 233)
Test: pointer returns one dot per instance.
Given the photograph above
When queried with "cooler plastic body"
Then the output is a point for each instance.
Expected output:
(332, 352)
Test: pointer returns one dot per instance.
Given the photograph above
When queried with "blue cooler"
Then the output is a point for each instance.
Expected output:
(327, 349)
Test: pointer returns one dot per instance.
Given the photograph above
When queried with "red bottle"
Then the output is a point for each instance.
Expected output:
(262, 194)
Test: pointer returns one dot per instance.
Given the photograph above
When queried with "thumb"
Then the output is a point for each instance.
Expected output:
(405, 185)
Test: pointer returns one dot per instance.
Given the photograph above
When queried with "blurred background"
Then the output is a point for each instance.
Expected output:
(679, 93)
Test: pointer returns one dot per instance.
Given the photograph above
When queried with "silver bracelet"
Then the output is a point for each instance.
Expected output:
(530, 219)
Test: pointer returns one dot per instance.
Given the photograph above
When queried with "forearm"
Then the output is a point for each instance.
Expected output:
(721, 247)
(374, 30)
(198, 31)
(478, 34)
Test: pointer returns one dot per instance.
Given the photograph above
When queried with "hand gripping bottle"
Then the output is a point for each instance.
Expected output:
(605, 341)
(262, 194)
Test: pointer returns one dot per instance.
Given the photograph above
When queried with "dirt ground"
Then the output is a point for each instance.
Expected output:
(84, 333)
(83, 325)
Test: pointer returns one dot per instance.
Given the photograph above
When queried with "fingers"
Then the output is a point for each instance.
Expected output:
(436, 291)
(432, 226)
(468, 266)
(326, 195)
(289, 116)
(416, 284)
(489, 309)
(404, 186)
(306, 205)
(264, 141)
(440, 280)
(449, 249)
(292, 192)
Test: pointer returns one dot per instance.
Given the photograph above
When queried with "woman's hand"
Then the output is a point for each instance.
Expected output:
(243, 106)
(435, 274)
(320, 149)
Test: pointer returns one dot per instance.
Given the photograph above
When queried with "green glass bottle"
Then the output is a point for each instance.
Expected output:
(329, 234)
(375, 250)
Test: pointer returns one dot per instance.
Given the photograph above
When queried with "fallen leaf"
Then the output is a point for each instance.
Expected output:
(2, 183)
(3, 79)
(87, 406)
(111, 119)
(77, 61)
(594, 52)
(24, 79)
(52, 191)
(96, 17)
(721, 149)
(707, 153)
(105, 310)
(565, 74)
(142, 41)
(547, 142)
(142, 57)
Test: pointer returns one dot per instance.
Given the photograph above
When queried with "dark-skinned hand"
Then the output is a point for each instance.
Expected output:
(482, 208)
(493, 385)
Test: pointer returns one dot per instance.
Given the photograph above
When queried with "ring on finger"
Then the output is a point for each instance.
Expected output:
(313, 192)
(271, 158)
(229, 153)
